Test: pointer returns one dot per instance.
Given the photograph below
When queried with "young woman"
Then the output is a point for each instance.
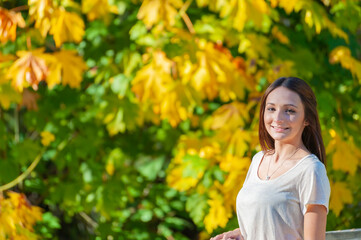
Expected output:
(286, 192)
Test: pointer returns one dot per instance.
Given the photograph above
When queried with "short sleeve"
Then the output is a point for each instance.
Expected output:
(254, 164)
(314, 186)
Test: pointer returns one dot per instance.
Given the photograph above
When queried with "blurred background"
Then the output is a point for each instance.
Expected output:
(130, 119)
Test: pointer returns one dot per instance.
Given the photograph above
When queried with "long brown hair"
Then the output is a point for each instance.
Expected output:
(311, 135)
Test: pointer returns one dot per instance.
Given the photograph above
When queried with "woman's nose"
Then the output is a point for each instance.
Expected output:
(278, 116)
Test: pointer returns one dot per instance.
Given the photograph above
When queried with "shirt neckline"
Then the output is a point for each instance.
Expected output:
(285, 173)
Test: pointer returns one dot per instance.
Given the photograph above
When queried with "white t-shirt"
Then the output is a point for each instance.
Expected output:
(274, 209)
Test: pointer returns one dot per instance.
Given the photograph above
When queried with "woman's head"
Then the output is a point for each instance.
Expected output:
(296, 101)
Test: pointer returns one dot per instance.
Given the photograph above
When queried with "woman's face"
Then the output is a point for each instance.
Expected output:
(284, 116)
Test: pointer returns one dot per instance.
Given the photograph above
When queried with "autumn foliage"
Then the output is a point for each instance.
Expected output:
(130, 119)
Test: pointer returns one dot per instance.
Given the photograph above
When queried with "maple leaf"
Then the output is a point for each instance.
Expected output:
(343, 56)
(214, 73)
(66, 26)
(237, 170)
(340, 195)
(97, 9)
(28, 70)
(228, 117)
(241, 11)
(254, 45)
(218, 214)
(154, 11)
(178, 103)
(337, 146)
(9, 20)
(17, 217)
(65, 67)
(152, 80)
(41, 11)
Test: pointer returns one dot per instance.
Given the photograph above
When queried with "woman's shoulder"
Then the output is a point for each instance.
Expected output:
(258, 156)
(313, 161)
(311, 164)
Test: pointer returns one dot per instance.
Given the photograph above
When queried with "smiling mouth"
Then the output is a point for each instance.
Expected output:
(279, 129)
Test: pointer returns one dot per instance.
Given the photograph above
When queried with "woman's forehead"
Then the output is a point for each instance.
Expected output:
(283, 96)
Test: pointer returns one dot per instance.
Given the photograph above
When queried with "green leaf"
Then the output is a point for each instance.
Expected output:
(194, 165)
(149, 167)
(197, 206)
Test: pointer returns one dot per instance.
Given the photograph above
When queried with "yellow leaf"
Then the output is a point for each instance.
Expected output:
(155, 11)
(338, 147)
(9, 20)
(215, 73)
(336, 31)
(218, 215)
(66, 67)
(238, 143)
(343, 56)
(288, 5)
(18, 217)
(66, 26)
(152, 80)
(176, 180)
(97, 9)
(254, 45)
(28, 70)
(178, 103)
(241, 11)
(228, 117)
(340, 195)
(47, 138)
(41, 11)
(237, 170)
(205, 148)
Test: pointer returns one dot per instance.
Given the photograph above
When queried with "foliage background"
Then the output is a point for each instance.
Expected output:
(127, 119)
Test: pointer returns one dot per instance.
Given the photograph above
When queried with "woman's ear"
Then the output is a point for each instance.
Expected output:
(306, 123)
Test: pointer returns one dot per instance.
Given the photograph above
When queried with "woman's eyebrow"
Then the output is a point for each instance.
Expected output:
(286, 105)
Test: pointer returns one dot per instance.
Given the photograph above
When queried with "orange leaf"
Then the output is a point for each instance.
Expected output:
(29, 70)
(9, 20)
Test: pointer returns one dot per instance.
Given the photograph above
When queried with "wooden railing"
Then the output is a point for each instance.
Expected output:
(349, 234)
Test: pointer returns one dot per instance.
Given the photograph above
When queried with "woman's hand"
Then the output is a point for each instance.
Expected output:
(231, 235)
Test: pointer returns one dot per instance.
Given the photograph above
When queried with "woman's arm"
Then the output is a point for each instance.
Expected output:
(315, 222)
(235, 234)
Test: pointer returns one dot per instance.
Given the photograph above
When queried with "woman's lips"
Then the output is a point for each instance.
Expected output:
(279, 129)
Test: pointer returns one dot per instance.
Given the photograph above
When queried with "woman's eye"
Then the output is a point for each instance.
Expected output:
(271, 109)
(290, 111)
